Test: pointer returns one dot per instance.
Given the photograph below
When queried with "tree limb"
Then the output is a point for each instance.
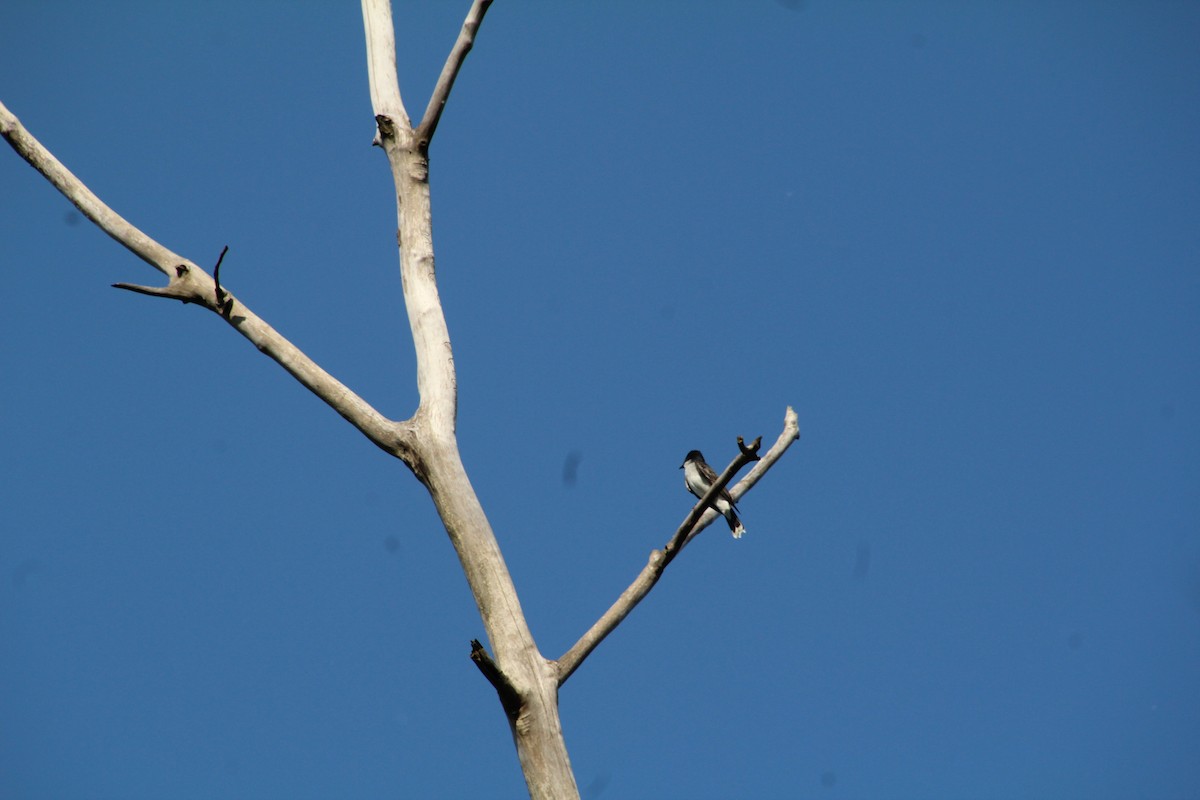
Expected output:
(191, 284)
(441, 92)
(382, 79)
(697, 520)
(89, 205)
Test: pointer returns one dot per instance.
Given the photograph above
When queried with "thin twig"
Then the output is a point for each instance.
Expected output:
(441, 92)
(648, 577)
(153, 291)
(224, 301)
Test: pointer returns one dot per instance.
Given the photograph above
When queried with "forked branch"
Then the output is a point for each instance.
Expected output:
(697, 519)
(385, 84)
(523, 678)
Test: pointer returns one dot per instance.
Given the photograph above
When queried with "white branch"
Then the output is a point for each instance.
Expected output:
(381, 61)
(436, 381)
(105, 218)
(790, 433)
(191, 284)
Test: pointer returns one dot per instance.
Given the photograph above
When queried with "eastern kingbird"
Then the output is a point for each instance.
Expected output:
(697, 477)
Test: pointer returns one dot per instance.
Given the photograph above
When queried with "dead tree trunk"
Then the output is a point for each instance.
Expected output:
(526, 682)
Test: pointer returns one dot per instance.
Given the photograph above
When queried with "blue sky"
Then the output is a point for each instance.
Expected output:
(961, 239)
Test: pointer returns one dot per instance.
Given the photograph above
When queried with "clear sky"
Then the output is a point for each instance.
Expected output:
(962, 239)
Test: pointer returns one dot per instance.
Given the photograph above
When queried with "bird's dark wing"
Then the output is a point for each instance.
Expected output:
(726, 496)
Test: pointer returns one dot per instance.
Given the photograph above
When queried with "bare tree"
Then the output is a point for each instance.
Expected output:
(526, 682)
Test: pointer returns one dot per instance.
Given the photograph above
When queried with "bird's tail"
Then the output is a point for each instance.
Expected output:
(735, 525)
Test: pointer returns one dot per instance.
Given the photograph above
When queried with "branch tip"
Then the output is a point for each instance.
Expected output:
(751, 451)
(791, 423)
(153, 291)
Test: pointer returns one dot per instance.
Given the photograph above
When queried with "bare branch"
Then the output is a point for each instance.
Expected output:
(790, 433)
(381, 62)
(569, 661)
(191, 284)
(441, 92)
(659, 559)
(648, 577)
(105, 218)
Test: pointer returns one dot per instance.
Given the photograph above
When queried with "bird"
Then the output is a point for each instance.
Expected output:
(698, 476)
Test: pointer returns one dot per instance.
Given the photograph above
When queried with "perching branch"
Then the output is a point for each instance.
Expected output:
(648, 577)
(441, 92)
(688, 529)
(191, 284)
